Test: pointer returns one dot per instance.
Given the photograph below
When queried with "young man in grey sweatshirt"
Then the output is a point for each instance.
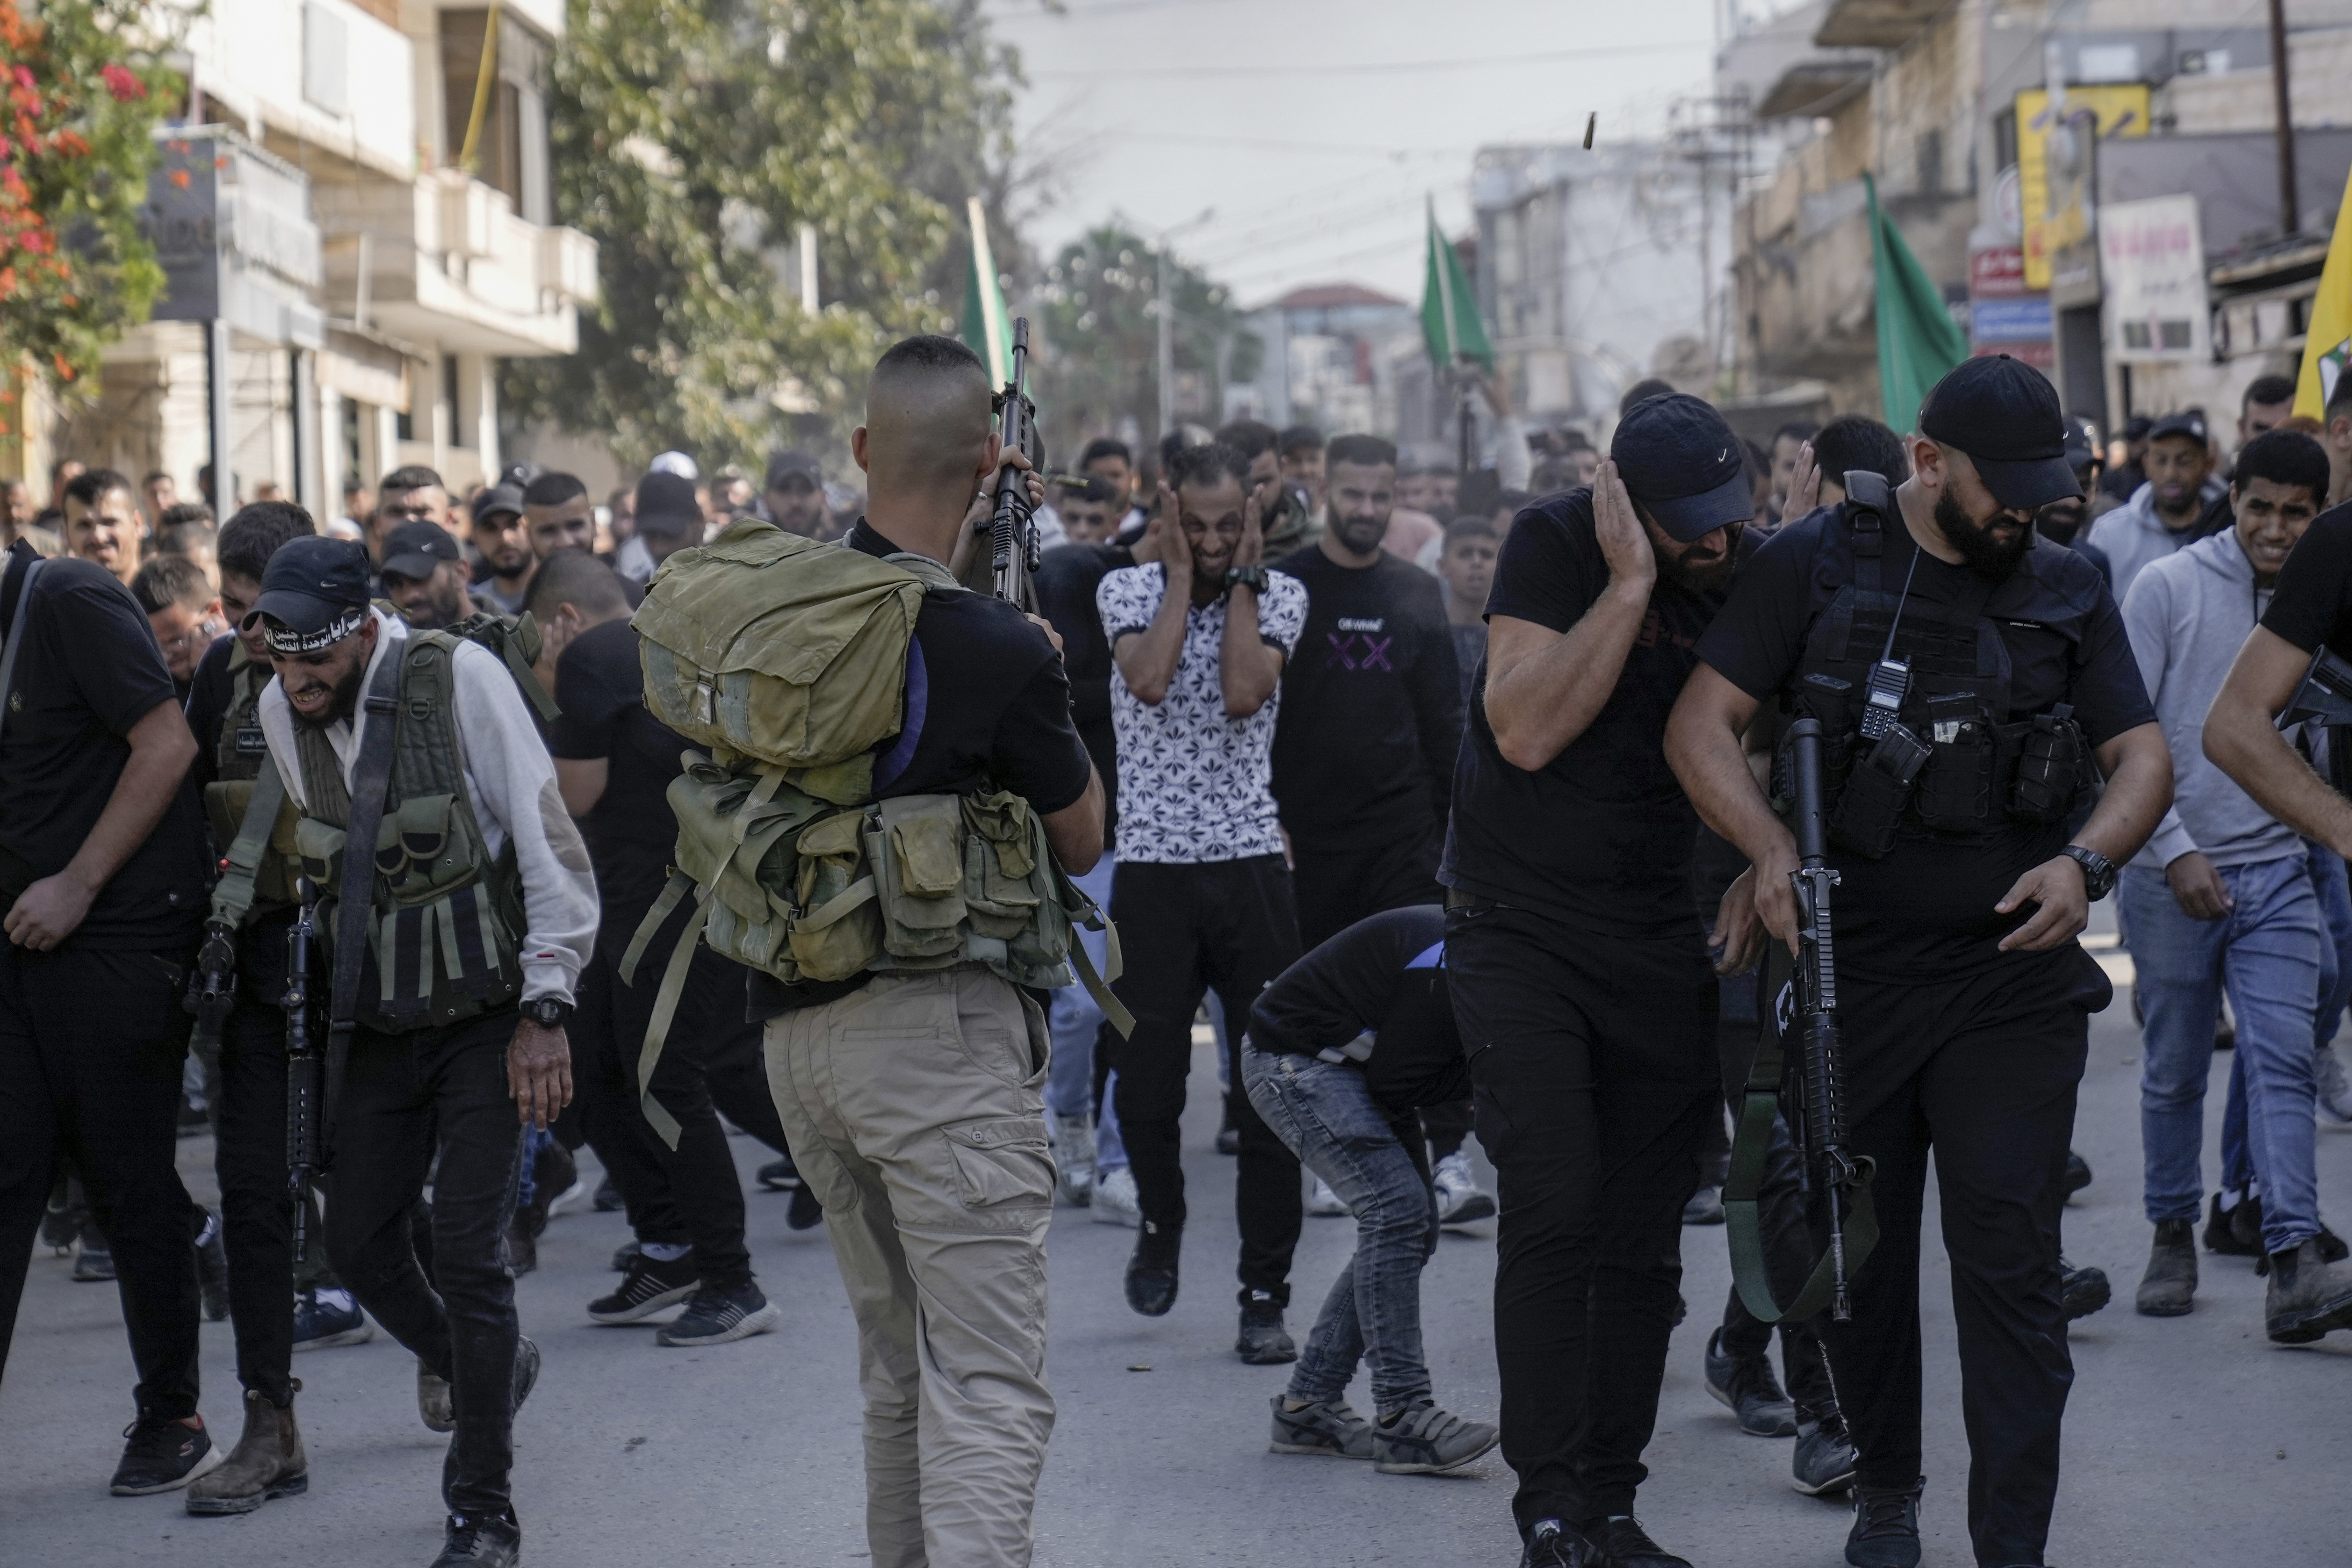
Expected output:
(2224, 897)
(2181, 502)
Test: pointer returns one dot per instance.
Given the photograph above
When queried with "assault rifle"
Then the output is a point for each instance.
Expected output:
(2325, 694)
(211, 988)
(1013, 531)
(303, 1092)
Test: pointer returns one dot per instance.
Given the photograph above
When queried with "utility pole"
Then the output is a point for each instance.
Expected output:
(2290, 213)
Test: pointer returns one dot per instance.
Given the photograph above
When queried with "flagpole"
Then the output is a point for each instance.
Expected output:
(991, 305)
(1444, 275)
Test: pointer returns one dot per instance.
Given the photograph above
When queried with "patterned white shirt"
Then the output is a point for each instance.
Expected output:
(1194, 784)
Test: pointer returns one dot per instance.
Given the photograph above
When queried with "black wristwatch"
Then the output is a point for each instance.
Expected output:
(547, 1012)
(2098, 870)
(1250, 577)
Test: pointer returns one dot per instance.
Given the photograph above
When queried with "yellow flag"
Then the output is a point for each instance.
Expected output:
(2329, 342)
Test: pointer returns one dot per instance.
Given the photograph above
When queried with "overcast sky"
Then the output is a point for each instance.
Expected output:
(1315, 129)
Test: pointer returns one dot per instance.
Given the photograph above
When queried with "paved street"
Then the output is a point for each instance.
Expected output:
(2190, 1441)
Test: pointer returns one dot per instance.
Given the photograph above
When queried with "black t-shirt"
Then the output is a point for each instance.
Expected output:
(1384, 975)
(1067, 580)
(1926, 907)
(1599, 838)
(988, 707)
(600, 685)
(2313, 601)
(1371, 707)
(86, 673)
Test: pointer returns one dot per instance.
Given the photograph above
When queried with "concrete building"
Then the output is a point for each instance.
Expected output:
(370, 277)
(1329, 360)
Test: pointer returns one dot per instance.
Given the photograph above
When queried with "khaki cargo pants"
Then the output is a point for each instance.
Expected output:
(914, 1111)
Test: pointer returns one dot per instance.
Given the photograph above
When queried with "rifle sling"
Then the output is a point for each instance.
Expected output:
(370, 780)
(1759, 1106)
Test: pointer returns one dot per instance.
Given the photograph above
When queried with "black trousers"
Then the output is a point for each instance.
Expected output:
(1592, 1066)
(398, 1090)
(91, 1047)
(1780, 1214)
(710, 1063)
(1983, 1070)
(249, 1157)
(1185, 930)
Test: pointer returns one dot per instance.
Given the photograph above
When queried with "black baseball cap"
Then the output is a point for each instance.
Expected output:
(2005, 415)
(665, 505)
(414, 550)
(1684, 464)
(2137, 427)
(498, 500)
(786, 465)
(316, 591)
(2188, 422)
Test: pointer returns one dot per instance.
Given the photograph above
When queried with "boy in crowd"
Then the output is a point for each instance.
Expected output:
(1467, 569)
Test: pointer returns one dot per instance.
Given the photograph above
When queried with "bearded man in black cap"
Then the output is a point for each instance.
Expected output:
(1580, 979)
(1965, 674)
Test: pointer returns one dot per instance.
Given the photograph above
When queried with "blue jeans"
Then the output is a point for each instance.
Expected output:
(1328, 1119)
(2327, 881)
(2267, 954)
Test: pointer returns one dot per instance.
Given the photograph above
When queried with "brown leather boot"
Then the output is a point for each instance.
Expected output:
(267, 1462)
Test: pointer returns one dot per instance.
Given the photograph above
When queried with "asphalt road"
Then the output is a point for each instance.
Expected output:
(2188, 1440)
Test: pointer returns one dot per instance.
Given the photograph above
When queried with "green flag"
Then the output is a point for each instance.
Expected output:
(1449, 307)
(1918, 341)
(987, 328)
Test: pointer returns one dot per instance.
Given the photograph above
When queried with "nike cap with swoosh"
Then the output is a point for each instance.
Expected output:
(1682, 461)
(2005, 415)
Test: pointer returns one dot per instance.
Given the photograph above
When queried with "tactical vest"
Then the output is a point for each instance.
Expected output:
(446, 924)
(1955, 763)
(236, 764)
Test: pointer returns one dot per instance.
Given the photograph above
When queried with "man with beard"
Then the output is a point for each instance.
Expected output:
(1578, 959)
(424, 576)
(559, 514)
(1964, 995)
(795, 498)
(102, 522)
(458, 1043)
(2181, 503)
(502, 538)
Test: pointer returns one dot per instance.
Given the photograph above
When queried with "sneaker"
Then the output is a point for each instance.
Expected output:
(1885, 1531)
(1151, 1271)
(1460, 1198)
(608, 1199)
(2333, 1098)
(625, 1254)
(1745, 1386)
(1074, 1158)
(2078, 1173)
(1325, 1204)
(1263, 1341)
(211, 1268)
(2308, 1296)
(495, 1542)
(436, 1407)
(571, 1199)
(95, 1262)
(161, 1455)
(2168, 1287)
(2222, 1237)
(1705, 1207)
(648, 1285)
(2082, 1290)
(1326, 1428)
(780, 1175)
(1551, 1544)
(804, 1209)
(1115, 1202)
(60, 1223)
(1622, 1543)
(1825, 1459)
(326, 1318)
(720, 1316)
(1423, 1440)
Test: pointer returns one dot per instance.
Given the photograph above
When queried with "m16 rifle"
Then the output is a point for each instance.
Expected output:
(211, 988)
(2325, 697)
(303, 1063)
(1013, 533)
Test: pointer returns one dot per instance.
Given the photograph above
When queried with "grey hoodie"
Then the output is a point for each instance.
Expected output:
(2186, 616)
(2133, 534)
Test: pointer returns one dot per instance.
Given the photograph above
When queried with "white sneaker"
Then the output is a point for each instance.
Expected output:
(1323, 1202)
(1074, 1156)
(2335, 1096)
(1115, 1202)
(1460, 1198)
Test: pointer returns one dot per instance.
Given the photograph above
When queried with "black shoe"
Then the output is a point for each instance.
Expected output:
(647, 1286)
(2078, 1173)
(1622, 1543)
(495, 1542)
(780, 1175)
(1151, 1272)
(1551, 1544)
(625, 1255)
(95, 1262)
(1824, 1458)
(805, 1209)
(322, 1325)
(161, 1455)
(2308, 1296)
(2082, 1290)
(1745, 1386)
(2168, 1287)
(608, 1198)
(1263, 1341)
(721, 1316)
(2235, 1232)
(211, 1268)
(1885, 1531)
(1705, 1207)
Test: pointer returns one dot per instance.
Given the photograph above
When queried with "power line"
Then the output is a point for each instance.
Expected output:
(1391, 67)
(1184, 139)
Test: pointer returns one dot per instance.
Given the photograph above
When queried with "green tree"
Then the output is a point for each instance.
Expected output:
(1098, 360)
(692, 138)
(81, 86)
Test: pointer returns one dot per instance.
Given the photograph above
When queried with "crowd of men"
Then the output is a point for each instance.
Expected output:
(1451, 799)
